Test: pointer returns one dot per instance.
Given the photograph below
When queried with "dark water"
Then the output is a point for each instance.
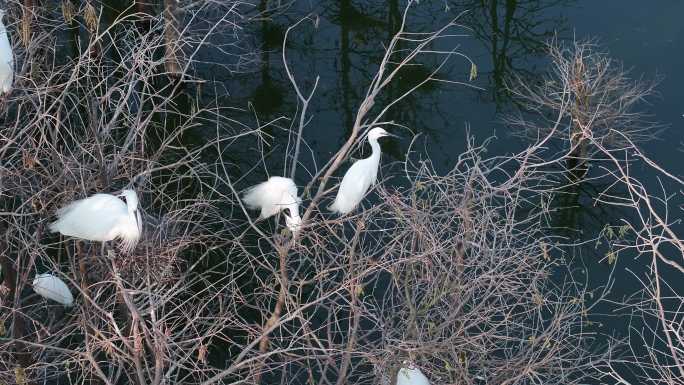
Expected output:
(503, 38)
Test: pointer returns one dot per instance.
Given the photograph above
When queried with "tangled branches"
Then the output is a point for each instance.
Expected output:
(455, 273)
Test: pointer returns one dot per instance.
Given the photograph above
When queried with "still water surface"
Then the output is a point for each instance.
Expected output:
(503, 38)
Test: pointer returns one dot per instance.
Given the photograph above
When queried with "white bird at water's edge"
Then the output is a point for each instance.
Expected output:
(273, 196)
(50, 287)
(102, 217)
(360, 176)
(6, 59)
(411, 375)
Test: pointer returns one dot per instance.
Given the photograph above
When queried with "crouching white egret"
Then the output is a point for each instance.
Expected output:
(6, 59)
(360, 176)
(102, 217)
(411, 375)
(50, 287)
(274, 195)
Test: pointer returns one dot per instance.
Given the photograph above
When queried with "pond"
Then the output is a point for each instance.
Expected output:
(210, 288)
(505, 38)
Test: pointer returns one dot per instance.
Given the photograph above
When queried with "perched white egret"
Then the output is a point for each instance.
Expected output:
(411, 375)
(6, 59)
(274, 195)
(360, 176)
(51, 287)
(102, 217)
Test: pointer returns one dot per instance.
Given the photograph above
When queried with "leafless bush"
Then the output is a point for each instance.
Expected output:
(99, 118)
(590, 104)
(652, 235)
(452, 272)
(597, 100)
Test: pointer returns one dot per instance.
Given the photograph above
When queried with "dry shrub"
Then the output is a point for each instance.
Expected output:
(100, 118)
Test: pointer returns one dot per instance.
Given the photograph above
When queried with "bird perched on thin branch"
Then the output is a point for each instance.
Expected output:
(273, 196)
(102, 217)
(6, 59)
(360, 176)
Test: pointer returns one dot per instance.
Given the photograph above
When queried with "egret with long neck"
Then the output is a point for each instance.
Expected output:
(102, 217)
(360, 176)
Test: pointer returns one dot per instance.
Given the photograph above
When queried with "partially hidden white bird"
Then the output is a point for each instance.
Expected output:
(102, 217)
(273, 196)
(411, 375)
(6, 59)
(51, 287)
(360, 176)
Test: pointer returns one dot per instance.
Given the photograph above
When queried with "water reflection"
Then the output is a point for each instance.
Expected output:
(514, 32)
(347, 46)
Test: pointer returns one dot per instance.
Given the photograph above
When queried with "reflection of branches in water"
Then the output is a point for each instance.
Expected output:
(514, 32)
(343, 54)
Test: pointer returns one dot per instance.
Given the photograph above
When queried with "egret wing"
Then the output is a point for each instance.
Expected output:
(51, 287)
(271, 196)
(354, 186)
(6, 60)
(411, 376)
(93, 218)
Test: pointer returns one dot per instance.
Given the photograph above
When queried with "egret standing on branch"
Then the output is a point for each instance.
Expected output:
(6, 59)
(102, 217)
(274, 195)
(360, 176)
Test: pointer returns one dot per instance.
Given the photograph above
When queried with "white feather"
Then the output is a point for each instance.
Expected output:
(6, 59)
(102, 217)
(360, 177)
(274, 195)
(409, 375)
(51, 287)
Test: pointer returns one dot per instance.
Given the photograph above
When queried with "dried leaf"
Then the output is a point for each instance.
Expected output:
(20, 375)
(202, 353)
(26, 28)
(68, 11)
(473, 71)
(90, 16)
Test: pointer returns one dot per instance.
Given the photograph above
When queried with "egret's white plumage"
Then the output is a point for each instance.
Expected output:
(274, 195)
(102, 217)
(360, 176)
(51, 287)
(6, 59)
(411, 375)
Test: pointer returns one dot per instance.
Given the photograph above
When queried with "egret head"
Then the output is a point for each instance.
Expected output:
(293, 220)
(131, 199)
(377, 132)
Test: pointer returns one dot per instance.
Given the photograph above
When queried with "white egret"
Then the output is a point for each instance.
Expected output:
(274, 195)
(51, 287)
(6, 59)
(411, 375)
(360, 176)
(102, 217)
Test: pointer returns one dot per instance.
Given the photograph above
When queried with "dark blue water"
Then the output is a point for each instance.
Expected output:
(503, 39)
